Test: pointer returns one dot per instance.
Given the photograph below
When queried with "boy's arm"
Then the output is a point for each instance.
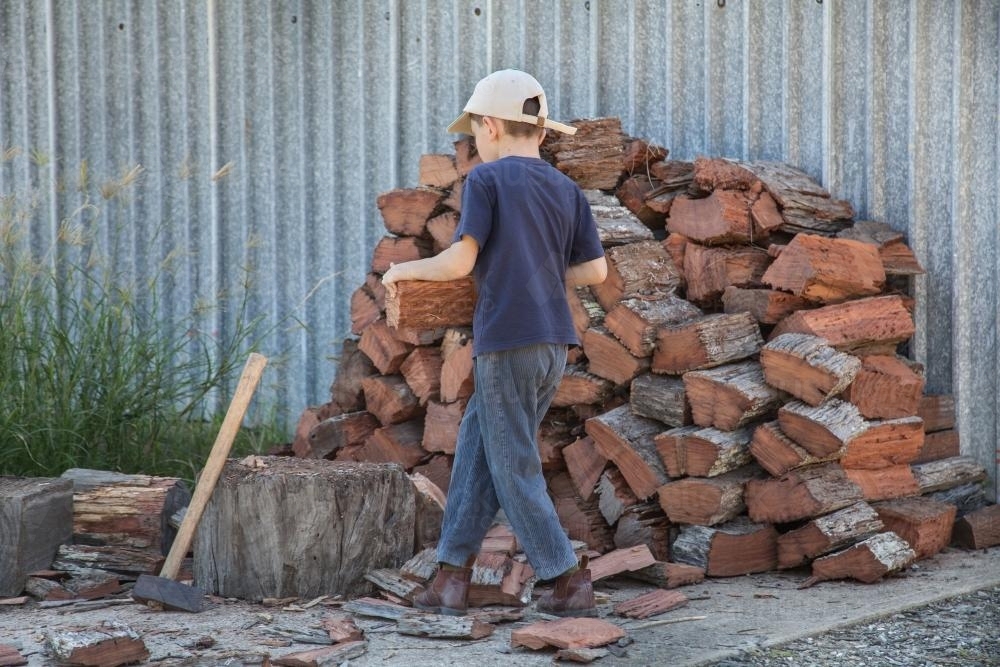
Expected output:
(587, 273)
(454, 262)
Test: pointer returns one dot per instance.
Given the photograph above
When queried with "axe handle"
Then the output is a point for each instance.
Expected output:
(213, 467)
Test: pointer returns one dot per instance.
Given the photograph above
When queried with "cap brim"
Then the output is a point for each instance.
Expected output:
(462, 124)
(559, 127)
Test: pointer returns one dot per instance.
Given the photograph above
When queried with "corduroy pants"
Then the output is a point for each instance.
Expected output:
(497, 463)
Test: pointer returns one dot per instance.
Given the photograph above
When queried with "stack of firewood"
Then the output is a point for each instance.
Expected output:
(738, 401)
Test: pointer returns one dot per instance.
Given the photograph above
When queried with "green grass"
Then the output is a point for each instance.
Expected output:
(92, 373)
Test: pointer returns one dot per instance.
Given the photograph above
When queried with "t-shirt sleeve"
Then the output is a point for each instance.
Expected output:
(476, 219)
(586, 241)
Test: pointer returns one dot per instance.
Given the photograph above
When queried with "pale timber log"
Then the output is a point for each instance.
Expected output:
(821, 430)
(827, 533)
(867, 561)
(734, 548)
(800, 494)
(706, 342)
(730, 396)
(627, 440)
(807, 368)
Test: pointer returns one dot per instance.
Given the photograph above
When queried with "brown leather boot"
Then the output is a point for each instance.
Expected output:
(448, 593)
(571, 594)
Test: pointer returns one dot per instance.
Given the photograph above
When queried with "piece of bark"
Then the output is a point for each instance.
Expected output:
(398, 249)
(11, 657)
(36, 516)
(661, 398)
(897, 258)
(384, 350)
(767, 306)
(580, 387)
(425, 304)
(396, 443)
(609, 359)
(635, 322)
(566, 633)
(709, 271)
(620, 561)
(422, 371)
(886, 387)
(939, 445)
(582, 519)
(390, 581)
(710, 452)
(581, 655)
(627, 440)
(925, 524)
(443, 627)
(437, 170)
(822, 430)
(827, 533)
(614, 495)
(801, 494)
(642, 270)
(730, 396)
(707, 501)
(894, 481)
(645, 523)
(826, 270)
(867, 561)
(330, 435)
(721, 218)
(671, 449)
(734, 548)
(706, 342)
(327, 656)
(405, 211)
(438, 470)
(376, 608)
(966, 498)
(353, 366)
(441, 426)
(938, 412)
(442, 230)
(669, 575)
(456, 365)
(46, 589)
(584, 463)
(885, 443)
(946, 473)
(807, 368)
(111, 643)
(777, 453)
(979, 529)
(875, 323)
(651, 604)
(390, 399)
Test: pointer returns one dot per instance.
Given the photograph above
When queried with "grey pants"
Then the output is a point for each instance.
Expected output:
(497, 463)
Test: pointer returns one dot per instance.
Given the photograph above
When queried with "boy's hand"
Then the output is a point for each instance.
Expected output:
(390, 278)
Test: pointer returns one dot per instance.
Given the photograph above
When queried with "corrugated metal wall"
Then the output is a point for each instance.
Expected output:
(310, 109)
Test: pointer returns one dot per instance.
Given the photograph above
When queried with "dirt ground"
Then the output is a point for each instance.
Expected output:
(722, 617)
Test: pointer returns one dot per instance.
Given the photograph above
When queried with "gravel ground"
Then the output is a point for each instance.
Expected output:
(963, 630)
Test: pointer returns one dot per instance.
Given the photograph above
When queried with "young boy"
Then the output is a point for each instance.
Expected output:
(526, 232)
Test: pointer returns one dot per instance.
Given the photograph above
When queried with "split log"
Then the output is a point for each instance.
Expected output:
(500, 539)
(364, 309)
(634, 194)
(639, 154)
(553, 435)
(672, 451)
(885, 443)
(765, 215)
(822, 430)
(979, 529)
(422, 567)
(715, 173)
(390, 399)
(651, 604)
(386, 351)
(635, 322)
(456, 365)
(584, 309)
(581, 518)
(437, 170)
(442, 230)
(706, 342)
(578, 387)
(627, 441)
(430, 503)
(398, 249)
(353, 366)
(584, 463)
(594, 157)
(376, 608)
(805, 205)
(709, 271)
(946, 473)
(609, 359)
(826, 270)
(939, 445)
(894, 481)
(441, 426)
(876, 323)
(675, 245)
(327, 656)
(721, 218)
(245, 540)
(646, 524)
(438, 470)
(614, 495)
(111, 644)
(669, 575)
(777, 453)
(329, 436)
(637, 270)
(422, 371)
(566, 633)
(801, 494)
(390, 581)
(925, 524)
(499, 579)
(425, 304)
(707, 501)
(938, 412)
(966, 498)
(897, 258)
(729, 550)
(767, 306)
(405, 210)
(341, 628)
(886, 387)
(616, 225)
(419, 337)
(466, 155)
(123, 562)
(675, 175)
(443, 627)
(36, 516)
(661, 398)
(807, 368)
(730, 396)
(620, 561)
(710, 452)
(46, 589)
(396, 443)
(827, 533)
(867, 561)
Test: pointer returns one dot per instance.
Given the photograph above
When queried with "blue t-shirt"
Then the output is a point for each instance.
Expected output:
(531, 222)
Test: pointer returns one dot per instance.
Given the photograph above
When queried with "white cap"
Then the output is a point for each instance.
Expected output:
(502, 95)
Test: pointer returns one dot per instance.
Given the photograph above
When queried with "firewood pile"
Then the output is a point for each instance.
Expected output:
(738, 402)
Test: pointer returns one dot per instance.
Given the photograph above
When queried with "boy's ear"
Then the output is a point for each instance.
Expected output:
(493, 125)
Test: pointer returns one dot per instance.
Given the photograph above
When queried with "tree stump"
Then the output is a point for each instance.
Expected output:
(303, 528)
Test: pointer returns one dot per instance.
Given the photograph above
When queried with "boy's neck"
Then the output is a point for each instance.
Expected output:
(518, 147)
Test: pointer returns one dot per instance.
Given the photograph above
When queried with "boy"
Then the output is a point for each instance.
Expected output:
(526, 232)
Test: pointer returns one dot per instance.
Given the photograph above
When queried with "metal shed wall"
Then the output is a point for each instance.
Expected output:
(318, 106)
